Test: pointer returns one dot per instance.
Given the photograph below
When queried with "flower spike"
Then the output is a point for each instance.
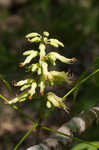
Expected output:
(40, 67)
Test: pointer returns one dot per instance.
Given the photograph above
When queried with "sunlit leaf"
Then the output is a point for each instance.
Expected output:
(85, 146)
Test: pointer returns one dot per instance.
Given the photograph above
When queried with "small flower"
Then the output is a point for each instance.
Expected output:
(33, 67)
(31, 35)
(42, 86)
(22, 97)
(53, 56)
(59, 77)
(29, 85)
(33, 88)
(30, 57)
(46, 34)
(55, 43)
(35, 39)
(22, 82)
(55, 101)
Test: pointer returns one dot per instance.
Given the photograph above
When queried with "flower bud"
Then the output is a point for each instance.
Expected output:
(45, 40)
(39, 71)
(55, 43)
(44, 68)
(42, 50)
(28, 52)
(42, 46)
(22, 82)
(19, 98)
(33, 88)
(42, 86)
(46, 34)
(30, 57)
(53, 56)
(55, 101)
(35, 39)
(25, 87)
(60, 77)
(33, 67)
(48, 104)
(31, 35)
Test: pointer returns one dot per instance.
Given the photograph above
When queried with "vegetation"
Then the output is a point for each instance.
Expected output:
(40, 85)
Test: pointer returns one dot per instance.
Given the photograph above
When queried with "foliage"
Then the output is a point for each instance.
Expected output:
(83, 146)
(44, 76)
(76, 22)
(6, 83)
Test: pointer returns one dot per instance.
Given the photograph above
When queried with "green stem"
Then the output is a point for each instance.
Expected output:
(45, 127)
(6, 83)
(25, 136)
(42, 109)
(64, 134)
(81, 82)
(41, 117)
(16, 108)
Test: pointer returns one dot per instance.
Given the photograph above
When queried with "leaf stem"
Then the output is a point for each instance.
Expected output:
(16, 108)
(43, 127)
(25, 136)
(81, 82)
(64, 134)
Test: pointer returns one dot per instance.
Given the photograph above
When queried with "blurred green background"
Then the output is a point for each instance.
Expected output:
(76, 24)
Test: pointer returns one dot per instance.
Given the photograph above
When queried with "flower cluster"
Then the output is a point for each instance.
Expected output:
(41, 69)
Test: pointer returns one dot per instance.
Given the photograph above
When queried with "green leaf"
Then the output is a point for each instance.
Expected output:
(6, 83)
(85, 146)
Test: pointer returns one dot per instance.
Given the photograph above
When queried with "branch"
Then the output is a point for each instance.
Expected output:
(76, 125)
